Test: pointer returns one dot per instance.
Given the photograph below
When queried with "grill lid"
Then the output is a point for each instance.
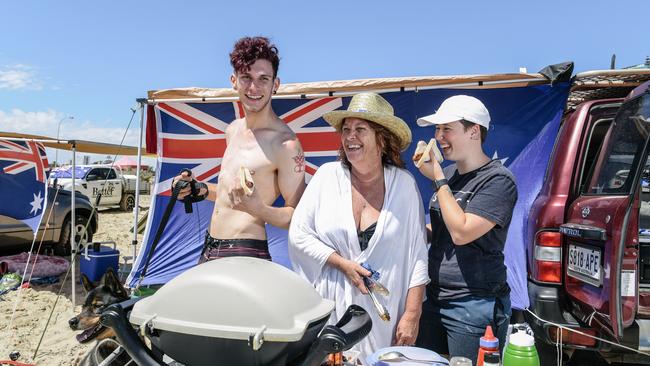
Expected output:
(235, 298)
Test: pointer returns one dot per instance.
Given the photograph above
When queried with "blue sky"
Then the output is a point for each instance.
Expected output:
(91, 60)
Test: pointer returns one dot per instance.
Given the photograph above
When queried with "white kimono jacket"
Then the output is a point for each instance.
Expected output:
(323, 223)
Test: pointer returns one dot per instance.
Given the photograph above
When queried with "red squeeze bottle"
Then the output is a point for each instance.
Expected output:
(488, 344)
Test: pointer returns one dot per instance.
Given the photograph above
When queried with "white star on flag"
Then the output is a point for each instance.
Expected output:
(36, 203)
(496, 156)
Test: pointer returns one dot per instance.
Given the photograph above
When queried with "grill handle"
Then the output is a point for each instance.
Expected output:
(115, 317)
(350, 329)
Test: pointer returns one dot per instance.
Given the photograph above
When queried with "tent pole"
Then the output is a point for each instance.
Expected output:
(73, 222)
(136, 209)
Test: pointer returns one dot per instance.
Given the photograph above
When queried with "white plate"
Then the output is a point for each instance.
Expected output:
(412, 352)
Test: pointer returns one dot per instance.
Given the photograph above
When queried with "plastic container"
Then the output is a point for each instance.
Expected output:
(94, 262)
(488, 344)
(520, 351)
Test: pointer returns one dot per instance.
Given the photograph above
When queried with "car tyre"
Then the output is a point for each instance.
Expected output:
(128, 202)
(63, 246)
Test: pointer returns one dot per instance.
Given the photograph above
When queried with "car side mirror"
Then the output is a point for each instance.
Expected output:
(91, 177)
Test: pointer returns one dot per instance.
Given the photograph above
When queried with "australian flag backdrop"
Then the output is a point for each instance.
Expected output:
(23, 190)
(525, 121)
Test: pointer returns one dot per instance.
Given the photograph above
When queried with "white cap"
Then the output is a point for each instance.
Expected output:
(521, 339)
(456, 108)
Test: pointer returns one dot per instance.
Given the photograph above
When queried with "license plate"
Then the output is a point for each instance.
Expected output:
(584, 264)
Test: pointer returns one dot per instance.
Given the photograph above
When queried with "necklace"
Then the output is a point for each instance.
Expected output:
(358, 182)
(367, 189)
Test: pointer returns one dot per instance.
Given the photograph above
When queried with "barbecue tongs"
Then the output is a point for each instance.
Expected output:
(372, 286)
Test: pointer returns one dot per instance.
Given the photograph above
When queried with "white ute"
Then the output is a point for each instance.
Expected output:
(116, 188)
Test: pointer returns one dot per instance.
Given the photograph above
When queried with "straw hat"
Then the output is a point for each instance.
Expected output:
(372, 107)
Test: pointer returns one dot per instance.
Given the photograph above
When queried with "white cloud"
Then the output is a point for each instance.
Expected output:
(19, 77)
(46, 123)
(40, 122)
(92, 132)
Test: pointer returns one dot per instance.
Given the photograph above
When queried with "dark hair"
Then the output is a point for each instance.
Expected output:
(386, 140)
(247, 50)
(467, 125)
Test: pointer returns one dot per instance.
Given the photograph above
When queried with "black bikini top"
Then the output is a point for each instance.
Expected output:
(365, 235)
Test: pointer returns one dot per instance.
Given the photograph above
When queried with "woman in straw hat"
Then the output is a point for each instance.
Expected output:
(365, 212)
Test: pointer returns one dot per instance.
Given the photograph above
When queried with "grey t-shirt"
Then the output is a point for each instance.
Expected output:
(476, 268)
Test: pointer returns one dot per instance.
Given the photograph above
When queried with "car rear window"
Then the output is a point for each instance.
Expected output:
(624, 149)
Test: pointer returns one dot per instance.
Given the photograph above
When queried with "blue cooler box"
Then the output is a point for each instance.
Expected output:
(93, 262)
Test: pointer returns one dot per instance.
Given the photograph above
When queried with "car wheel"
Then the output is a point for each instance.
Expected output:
(81, 236)
(128, 202)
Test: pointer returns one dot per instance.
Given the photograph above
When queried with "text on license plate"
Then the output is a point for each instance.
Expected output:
(584, 262)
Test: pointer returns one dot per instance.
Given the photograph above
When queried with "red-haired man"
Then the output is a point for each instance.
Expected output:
(262, 143)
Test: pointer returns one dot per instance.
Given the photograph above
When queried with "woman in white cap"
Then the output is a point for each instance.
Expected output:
(470, 213)
(365, 210)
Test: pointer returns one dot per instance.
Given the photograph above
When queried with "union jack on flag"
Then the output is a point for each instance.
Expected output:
(192, 135)
(23, 180)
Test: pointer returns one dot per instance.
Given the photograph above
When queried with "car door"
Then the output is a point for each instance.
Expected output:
(15, 233)
(600, 236)
(95, 181)
(48, 222)
(113, 188)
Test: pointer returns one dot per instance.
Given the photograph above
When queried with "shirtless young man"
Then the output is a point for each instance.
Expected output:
(264, 144)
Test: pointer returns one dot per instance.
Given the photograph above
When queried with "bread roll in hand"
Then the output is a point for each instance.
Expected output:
(246, 180)
(422, 150)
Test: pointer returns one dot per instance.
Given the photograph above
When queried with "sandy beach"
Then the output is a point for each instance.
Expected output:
(58, 345)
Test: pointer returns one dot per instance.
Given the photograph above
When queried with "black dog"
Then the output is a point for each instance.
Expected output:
(109, 291)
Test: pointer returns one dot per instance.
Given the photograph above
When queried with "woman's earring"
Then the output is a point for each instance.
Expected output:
(275, 91)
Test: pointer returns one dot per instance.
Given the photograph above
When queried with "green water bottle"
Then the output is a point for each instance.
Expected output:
(520, 351)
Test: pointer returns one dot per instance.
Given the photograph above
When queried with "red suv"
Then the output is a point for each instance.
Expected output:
(588, 243)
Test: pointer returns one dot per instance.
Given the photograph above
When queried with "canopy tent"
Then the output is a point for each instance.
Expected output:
(484, 81)
(185, 128)
(83, 146)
